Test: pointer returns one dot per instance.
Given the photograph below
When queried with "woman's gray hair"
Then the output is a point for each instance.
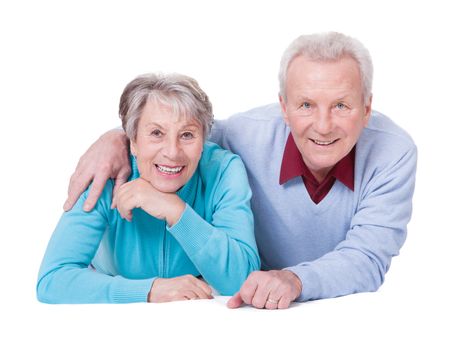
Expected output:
(329, 47)
(180, 92)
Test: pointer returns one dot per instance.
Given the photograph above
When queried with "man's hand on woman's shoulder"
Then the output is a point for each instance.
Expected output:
(106, 158)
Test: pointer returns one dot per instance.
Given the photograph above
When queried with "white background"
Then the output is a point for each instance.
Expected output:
(63, 65)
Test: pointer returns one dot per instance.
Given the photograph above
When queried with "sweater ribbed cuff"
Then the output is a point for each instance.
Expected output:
(191, 231)
(131, 291)
(311, 286)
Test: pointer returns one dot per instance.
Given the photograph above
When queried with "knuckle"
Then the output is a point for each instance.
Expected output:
(258, 303)
(246, 296)
(105, 168)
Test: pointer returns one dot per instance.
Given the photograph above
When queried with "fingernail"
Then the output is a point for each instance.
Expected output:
(86, 207)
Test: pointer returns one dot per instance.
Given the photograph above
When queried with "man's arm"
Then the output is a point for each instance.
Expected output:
(377, 233)
(106, 158)
(358, 263)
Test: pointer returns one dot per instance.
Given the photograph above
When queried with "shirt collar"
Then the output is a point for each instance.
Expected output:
(292, 165)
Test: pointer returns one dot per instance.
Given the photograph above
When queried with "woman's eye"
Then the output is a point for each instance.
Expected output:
(156, 133)
(187, 135)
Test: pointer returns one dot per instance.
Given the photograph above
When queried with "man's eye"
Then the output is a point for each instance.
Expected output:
(341, 106)
(306, 105)
(156, 133)
(187, 135)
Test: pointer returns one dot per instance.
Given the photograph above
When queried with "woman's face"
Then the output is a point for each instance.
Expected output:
(167, 148)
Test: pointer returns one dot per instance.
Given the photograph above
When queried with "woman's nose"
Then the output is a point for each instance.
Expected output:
(172, 149)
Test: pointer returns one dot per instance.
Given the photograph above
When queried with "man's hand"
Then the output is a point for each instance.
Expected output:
(140, 193)
(106, 158)
(274, 289)
(185, 287)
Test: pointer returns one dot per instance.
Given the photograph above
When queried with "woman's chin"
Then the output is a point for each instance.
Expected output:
(167, 188)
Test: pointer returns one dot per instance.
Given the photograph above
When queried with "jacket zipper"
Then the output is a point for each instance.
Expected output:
(164, 253)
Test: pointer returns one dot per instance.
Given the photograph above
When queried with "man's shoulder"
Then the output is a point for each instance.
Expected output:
(263, 114)
(383, 141)
(257, 126)
(382, 127)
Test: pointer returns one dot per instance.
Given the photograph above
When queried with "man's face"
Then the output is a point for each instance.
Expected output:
(324, 109)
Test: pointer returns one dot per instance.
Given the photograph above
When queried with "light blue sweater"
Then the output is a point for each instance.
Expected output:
(213, 238)
(345, 243)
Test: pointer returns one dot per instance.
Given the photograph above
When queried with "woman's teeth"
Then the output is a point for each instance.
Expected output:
(169, 170)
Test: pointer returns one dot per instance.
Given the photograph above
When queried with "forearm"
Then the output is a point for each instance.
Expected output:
(338, 273)
(74, 285)
(378, 231)
(64, 276)
(224, 261)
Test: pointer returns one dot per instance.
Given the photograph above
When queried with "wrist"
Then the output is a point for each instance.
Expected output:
(175, 210)
(298, 284)
(151, 293)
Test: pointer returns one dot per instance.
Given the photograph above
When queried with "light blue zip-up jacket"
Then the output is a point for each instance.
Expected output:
(213, 238)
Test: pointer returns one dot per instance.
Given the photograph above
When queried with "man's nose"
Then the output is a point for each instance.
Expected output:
(323, 122)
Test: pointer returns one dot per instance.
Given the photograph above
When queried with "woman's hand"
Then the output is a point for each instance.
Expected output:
(140, 193)
(185, 287)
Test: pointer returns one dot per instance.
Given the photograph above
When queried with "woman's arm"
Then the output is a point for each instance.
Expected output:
(64, 275)
(222, 247)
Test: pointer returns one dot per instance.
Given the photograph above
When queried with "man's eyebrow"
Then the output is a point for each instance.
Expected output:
(344, 96)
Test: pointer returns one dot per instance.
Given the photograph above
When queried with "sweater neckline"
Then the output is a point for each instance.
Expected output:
(326, 204)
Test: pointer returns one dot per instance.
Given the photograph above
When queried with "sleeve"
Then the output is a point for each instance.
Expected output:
(65, 276)
(223, 250)
(377, 232)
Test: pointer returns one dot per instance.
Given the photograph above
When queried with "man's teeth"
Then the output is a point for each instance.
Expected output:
(323, 143)
(169, 170)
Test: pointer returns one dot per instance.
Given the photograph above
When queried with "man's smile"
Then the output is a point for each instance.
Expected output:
(323, 142)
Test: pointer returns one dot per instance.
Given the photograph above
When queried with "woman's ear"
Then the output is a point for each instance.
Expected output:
(133, 148)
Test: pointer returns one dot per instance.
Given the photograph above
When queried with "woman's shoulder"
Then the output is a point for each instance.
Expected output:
(216, 158)
(105, 199)
(217, 162)
(221, 170)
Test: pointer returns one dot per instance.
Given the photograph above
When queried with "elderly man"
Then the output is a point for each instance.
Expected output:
(332, 181)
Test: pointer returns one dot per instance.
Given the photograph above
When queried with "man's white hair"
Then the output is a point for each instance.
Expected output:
(328, 47)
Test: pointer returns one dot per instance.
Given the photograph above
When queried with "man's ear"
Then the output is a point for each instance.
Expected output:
(283, 105)
(367, 110)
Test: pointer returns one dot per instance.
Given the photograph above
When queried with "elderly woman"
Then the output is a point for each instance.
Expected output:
(185, 212)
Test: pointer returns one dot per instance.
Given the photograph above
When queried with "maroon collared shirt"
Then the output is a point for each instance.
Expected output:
(292, 165)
